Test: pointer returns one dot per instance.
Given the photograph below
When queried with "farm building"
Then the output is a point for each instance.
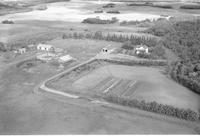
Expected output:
(65, 58)
(141, 49)
(46, 56)
(58, 50)
(45, 47)
(20, 51)
(108, 49)
(31, 47)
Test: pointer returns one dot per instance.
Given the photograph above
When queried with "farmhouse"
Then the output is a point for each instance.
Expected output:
(20, 51)
(141, 49)
(45, 47)
(108, 49)
(65, 58)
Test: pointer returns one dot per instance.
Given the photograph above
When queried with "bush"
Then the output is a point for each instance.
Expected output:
(180, 73)
(99, 21)
(109, 5)
(190, 6)
(3, 47)
(128, 46)
(163, 6)
(140, 4)
(7, 22)
(158, 51)
(113, 12)
(154, 107)
(141, 62)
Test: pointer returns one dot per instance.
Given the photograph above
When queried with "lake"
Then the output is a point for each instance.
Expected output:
(74, 11)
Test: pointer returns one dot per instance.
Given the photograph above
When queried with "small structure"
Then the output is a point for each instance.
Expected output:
(141, 49)
(45, 47)
(32, 47)
(20, 51)
(46, 56)
(108, 49)
(65, 58)
(58, 50)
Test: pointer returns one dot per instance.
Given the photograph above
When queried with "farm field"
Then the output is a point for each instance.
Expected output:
(23, 110)
(138, 82)
(82, 49)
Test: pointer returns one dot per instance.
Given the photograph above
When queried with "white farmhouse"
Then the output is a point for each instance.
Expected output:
(45, 47)
(141, 49)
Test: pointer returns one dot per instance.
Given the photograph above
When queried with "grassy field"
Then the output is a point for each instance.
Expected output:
(143, 83)
(82, 49)
(24, 112)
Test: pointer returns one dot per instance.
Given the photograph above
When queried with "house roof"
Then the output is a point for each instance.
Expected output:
(139, 46)
(45, 45)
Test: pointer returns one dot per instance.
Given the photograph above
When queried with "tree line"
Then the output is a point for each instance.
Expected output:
(135, 40)
(185, 114)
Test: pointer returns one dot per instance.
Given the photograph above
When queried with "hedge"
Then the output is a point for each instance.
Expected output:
(190, 7)
(155, 107)
(140, 62)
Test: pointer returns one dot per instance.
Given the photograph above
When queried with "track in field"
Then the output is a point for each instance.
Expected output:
(116, 86)
(104, 84)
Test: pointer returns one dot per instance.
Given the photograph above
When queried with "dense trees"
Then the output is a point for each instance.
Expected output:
(100, 21)
(184, 39)
(7, 22)
(3, 47)
(190, 6)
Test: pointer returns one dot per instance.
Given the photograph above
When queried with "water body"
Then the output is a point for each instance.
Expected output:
(74, 11)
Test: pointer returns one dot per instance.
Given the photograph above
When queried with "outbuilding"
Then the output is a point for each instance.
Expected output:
(141, 49)
(108, 49)
(45, 47)
(20, 51)
(65, 58)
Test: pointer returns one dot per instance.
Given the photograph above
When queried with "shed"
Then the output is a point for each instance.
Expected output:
(45, 47)
(108, 49)
(65, 58)
(31, 47)
(20, 51)
(141, 49)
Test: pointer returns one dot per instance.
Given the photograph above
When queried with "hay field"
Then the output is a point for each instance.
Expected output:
(82, 49)
(143, 83)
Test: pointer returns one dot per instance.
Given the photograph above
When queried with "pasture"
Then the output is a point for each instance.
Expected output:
(138, 82)
(82, 49)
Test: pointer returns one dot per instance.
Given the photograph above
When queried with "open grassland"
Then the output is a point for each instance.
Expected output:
(23, 33)
(138, 82)
(82, 49)
(24, 112)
